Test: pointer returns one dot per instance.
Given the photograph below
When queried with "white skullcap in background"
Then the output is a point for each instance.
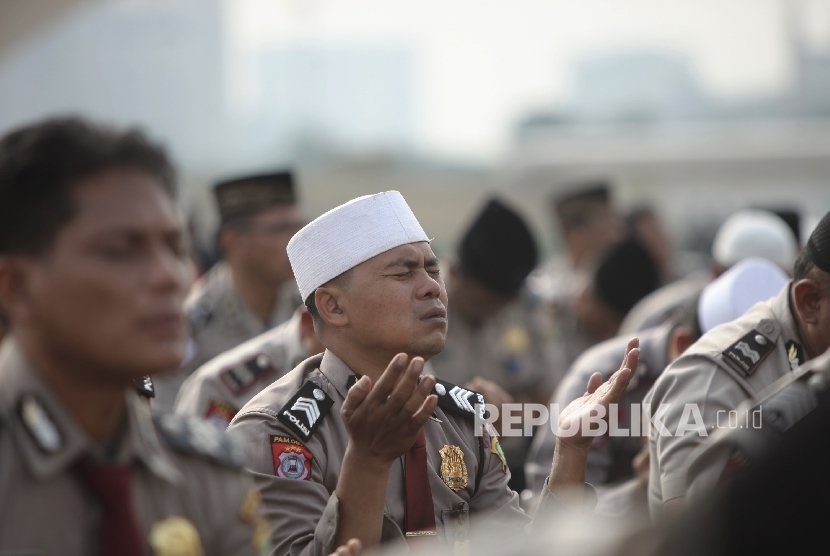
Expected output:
(349, 234)
(755, 233)
(736, 290)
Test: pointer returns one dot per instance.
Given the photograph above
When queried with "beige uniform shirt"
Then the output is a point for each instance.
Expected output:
(297, 473)
(192, 491)
(219, 321)
(731, 363)
(217, 390)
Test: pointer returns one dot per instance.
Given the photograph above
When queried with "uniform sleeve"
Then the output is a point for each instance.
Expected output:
(690, 385)
(203, 396)
(493, 500)
(301, 511)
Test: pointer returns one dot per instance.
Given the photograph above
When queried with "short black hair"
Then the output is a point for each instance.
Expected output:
(40, 163)
(803, 265)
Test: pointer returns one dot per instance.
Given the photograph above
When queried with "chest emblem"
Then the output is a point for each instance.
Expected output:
(453, 469)
(175, 536)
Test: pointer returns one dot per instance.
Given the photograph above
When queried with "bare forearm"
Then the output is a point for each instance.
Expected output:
(361, 492)
(567, 474)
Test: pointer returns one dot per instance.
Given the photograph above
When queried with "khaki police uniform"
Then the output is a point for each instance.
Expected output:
(217, 390)
(731, 363)
(609, 460)
(219, 321)
(188, 491)
(296, 442)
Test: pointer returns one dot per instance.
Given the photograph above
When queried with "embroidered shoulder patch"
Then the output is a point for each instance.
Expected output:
(240, 378)
(292, 460)
(458, 400)
(747, 354)
(220, 413)
(305, 411)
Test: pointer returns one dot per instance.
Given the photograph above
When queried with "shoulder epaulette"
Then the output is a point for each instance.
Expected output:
(747, 354)
(457, 400)
(242, 376)
(196, 437)
(305, 411)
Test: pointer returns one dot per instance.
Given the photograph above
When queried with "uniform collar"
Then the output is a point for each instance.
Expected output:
(336, 371)
(49, 440)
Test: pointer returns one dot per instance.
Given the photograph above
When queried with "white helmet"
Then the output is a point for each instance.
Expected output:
(755, 233)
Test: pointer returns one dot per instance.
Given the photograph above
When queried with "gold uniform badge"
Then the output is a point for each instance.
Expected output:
(175, 536)
(453, 469)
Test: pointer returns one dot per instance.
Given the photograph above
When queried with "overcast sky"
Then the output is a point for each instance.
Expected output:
(482, 64)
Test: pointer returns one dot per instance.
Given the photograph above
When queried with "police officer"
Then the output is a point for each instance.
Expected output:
(220, 387)
(92, 278)
(733, 362)
(613, 459)
(253, 289)
(501, 334)
(357, 442)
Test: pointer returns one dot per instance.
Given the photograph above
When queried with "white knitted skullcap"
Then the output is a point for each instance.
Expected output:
(755, 233)
(349, 234)
(736, 290)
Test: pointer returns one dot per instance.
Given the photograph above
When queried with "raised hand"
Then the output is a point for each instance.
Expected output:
(351, 548)
(575, 423)
(383, 419)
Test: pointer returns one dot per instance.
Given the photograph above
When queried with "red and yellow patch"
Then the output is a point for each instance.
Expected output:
(220, 413)
(292, 460)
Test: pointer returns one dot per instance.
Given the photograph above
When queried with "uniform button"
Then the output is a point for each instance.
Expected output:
(761, 340)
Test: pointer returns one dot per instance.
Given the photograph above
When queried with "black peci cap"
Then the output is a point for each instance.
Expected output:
(248, 195)
(818, 246)
(625, 275)
(498, 250)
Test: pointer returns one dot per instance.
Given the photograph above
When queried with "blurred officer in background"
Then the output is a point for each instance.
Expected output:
(217, 390)
(736, 361)
(252, 289)
(500, 334)
(93, 275)
(622, 461)
(589, 225)
(746, 233)
(624, 275)
(357, 442)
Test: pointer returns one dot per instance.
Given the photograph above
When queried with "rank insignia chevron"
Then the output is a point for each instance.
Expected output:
(458, 400)
(305, 411)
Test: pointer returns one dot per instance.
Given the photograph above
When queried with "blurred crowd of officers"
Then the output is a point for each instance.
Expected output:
(152, 405)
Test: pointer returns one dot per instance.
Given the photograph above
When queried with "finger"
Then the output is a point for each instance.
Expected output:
(615, 387)
(355, 396)
(594, 382)
(405, 388)
(416, 400)
(387, 381)
(420, 417)
(355, 547)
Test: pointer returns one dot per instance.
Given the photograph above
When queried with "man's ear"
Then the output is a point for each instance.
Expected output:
(329, 301)
(14, 294)
(807, 300)
(679, 341)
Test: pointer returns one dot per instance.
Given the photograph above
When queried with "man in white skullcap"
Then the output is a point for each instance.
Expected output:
(356, 442)
(734, 362)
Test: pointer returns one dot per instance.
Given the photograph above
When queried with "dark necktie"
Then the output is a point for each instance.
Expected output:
(111, 485)
(419, 515)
